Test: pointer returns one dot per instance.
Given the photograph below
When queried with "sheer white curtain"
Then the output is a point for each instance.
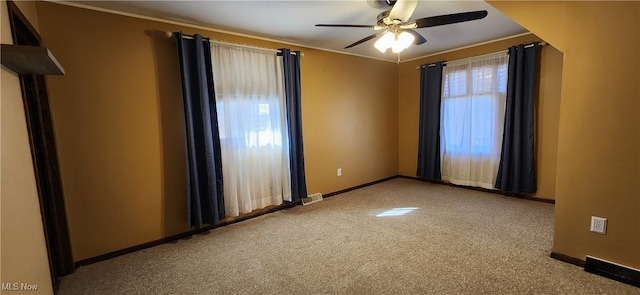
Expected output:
(253, 136)
(472, 119)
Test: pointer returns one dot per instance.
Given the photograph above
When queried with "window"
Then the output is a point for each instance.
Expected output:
(472, 119)
(251, 120)
(261, 119)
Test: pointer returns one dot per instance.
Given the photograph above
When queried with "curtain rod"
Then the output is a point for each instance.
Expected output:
(214, 41)
(542, 43)
(185, 36)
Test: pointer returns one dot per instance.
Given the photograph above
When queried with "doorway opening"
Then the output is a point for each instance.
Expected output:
(44, 153)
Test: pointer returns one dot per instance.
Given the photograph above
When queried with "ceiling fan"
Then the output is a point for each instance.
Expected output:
(395, 28)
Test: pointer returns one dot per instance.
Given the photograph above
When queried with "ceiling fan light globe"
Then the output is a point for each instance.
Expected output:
(396, 48)
(405, 39)
(388, 38)
(381, 46)
(385, 42)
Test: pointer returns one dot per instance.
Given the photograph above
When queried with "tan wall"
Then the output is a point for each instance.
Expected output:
(23, 250)
(548, 119)
(350, 120)
(118, 120)
(548, 104)
(599, 133)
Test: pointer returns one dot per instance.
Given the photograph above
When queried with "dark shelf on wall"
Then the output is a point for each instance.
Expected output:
(30, 60)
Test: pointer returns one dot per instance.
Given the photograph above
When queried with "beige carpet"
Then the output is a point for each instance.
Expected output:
(455, 241)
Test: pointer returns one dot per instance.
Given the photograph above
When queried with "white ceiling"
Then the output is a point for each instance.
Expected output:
(293, 22)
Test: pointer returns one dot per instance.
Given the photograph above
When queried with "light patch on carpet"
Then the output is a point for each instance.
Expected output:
(397, 212)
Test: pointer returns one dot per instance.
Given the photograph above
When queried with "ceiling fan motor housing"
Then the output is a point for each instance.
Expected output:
(381, 17)
(381, 4)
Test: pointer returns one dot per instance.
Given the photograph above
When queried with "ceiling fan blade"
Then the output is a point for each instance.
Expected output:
(402, 10)
(365, 39)
(418, 38)
(344, 26)
(446, 19)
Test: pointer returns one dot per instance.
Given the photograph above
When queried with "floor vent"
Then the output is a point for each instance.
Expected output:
(312, 199)
(613, 271)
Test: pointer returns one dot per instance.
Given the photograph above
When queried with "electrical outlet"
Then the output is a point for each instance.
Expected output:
(339, 172)
(598, 225)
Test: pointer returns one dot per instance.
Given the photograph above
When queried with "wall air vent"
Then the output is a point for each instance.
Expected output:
(312, 199)
(613, 271)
